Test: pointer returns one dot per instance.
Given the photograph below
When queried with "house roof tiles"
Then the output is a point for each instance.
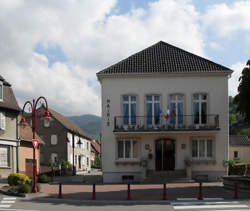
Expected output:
(235, 140)
(26, 134)
(163, 58)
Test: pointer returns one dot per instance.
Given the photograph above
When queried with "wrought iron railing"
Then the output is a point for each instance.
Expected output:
(161, 123)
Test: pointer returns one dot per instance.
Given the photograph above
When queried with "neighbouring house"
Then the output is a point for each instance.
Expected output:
(26, 151)
(239, 148)
(95, 150)
(9, 142)
(63, 141)
(164, 117)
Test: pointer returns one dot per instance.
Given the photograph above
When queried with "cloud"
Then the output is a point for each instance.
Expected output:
(91, 38)
(225, 20)
(234, 80)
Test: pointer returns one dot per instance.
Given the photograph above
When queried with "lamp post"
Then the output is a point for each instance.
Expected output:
(23, 123)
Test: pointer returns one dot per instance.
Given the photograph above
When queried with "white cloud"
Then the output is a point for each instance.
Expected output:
(234, 80)
(224, 19)
(90, 38)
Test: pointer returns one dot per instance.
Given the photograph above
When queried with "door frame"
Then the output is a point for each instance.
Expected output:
(164, 140)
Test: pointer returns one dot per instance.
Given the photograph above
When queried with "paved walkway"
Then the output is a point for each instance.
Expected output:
(140, 192)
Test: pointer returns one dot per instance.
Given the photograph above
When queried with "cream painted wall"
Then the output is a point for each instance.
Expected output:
(243, 153)
(216, 86)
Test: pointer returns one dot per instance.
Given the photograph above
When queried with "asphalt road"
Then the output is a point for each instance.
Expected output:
(25, 204)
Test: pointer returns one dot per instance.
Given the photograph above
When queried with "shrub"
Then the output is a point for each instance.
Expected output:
(97, 162)
(24, 188)
(43, 178)
(18, 179)
(238, 169)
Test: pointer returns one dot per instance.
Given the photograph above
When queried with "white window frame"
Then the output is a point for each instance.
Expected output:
(235, 158)
(153, 101)
(124, 150)
(53, 156)
(199, 139)
(176, 101)
(54, 135)
(8, 156)
(200, 101)
(46, 123)
(129, 102)
(2, 121)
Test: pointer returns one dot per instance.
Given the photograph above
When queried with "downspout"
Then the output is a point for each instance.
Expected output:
(17, 147)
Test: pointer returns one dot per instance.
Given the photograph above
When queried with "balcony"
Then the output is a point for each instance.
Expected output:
(160, 123)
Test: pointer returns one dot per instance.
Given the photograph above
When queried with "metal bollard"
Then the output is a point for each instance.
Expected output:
(60, 191)
(200, 197)
(93, 193)
(129, 198)
(236, 190)
(164, 192)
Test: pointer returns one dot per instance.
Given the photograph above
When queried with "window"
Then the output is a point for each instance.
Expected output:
(87, 161)
(129, 110)
(153, 109)
(176, 109)
(53, 139)
(200, 108)
(128, 149)
(1, 91)
(46, 123)
(202, 148)
(87, 145)
(4, 156)
(2, 121)
(236, 154)
(54, 157)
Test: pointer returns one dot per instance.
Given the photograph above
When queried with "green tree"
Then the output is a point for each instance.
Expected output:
(242, 99)
(97, 162)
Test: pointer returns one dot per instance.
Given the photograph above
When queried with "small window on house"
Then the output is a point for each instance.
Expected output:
(128, 149)
(46, 123)
(4, 156)
(53, 139)
(2, 121)
(87, 145)
(1, 91)
(236, 154)
(54, 157)
(87, 161)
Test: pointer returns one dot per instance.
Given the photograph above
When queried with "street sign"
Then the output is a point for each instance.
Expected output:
(35, 143)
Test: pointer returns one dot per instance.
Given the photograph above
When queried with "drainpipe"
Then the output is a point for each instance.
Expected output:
(18, 144)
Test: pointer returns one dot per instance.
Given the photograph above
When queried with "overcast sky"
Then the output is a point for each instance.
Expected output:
(55, 47)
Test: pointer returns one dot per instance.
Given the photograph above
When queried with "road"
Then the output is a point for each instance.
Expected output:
(23, 204)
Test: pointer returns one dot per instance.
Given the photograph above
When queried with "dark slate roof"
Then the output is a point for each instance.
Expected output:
(163, 58)
(235, 140)
(9, 99)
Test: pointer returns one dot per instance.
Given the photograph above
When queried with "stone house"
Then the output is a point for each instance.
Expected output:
(239, 148)
(164, 117)
(9, 142)
(26, 151)
(63, 141)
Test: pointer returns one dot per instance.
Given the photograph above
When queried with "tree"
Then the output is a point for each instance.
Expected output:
(242, 99)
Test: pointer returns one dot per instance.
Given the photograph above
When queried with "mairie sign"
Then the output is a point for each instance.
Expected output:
(35, 143)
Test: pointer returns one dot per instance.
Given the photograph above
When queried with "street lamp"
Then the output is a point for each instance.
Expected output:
(23, 123)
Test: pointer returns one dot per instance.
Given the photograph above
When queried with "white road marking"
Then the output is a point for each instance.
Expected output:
(16, 210)
(7, 202)
(210, 206)
(187, 199)
(204, 202)
(5, 205)
(9, 198)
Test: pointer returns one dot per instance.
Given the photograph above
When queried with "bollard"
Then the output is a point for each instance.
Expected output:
(236, 190)
(129, 198)
(164, 192)
(200, 197)
(93, 193)
(60, 191)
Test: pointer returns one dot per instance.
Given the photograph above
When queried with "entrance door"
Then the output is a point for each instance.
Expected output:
(164, 155)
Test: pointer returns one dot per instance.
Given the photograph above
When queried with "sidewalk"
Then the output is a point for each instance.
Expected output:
(140, 192)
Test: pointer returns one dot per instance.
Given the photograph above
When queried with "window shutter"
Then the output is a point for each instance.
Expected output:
(2, 121)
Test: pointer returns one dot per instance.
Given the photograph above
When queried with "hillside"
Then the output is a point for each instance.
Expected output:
(91, 124)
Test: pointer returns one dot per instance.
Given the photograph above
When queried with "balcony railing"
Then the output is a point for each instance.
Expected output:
(160, 123)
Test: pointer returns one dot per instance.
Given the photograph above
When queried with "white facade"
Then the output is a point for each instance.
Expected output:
(202, 150)
(82, 152)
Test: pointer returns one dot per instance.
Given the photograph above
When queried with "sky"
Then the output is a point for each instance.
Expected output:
(55, 48)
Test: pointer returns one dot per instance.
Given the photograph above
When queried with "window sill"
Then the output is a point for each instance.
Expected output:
(5, 167)
(127, 162)
(204, 161)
